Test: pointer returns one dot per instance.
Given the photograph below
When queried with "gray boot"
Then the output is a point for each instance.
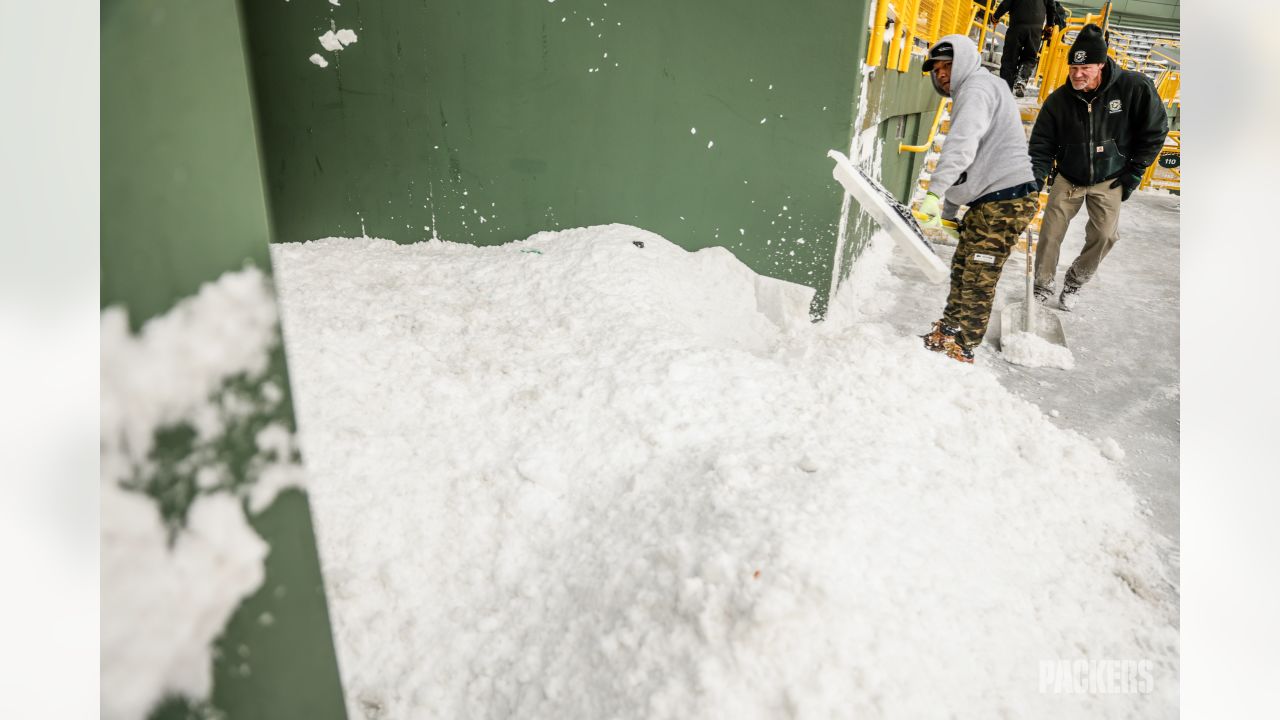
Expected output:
(1068, 298)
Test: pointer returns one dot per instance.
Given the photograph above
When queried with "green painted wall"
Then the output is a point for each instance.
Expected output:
(902, 106)
(540, 115)
(182, 203)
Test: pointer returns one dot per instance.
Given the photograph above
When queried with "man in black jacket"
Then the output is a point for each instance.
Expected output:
(1099, 132)
(1027, 22)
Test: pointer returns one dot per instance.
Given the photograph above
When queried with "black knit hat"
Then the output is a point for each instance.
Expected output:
(940, 51)
(1089, 47)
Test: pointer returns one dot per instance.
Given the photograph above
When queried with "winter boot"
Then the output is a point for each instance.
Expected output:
(938, 338)
(956, 351)
(1044, 293)
(1068, 297)
(1019, 90)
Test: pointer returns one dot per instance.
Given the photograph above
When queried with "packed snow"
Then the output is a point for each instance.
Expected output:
(318, 60)
(167, 592)
(1031, 350)
(1111, 449)
(1123, 337)
(591, 474)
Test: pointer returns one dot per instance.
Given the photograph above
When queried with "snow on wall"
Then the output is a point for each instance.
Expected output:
(178, 554)
(576, 477)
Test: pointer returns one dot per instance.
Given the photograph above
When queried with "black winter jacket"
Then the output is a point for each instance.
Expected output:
(1025, 12)
(1119, 132)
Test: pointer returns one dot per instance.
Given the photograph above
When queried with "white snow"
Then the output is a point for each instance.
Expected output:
(167, 373)
(330, 41)
(334, 41)
(318, 59)
(275, 445)
(1111, 449)
(1031, 350)
(600, 481)
(163, 605)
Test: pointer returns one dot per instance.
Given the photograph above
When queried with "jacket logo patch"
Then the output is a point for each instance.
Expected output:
(1114, 106)
(1078, 57)
(984, 258)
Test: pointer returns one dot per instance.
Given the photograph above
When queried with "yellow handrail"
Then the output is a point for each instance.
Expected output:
(1166, 57)
(876, 47)
(926, 20)
(1169, 149)
(904, 58)
(1168, 85)
(933, 131)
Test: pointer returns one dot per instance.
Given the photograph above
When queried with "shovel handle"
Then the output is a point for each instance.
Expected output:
(1030, 321)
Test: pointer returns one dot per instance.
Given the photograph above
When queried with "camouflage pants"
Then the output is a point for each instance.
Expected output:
(987, 233)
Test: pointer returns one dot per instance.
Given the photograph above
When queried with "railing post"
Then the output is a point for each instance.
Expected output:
(875, 47)
(912, 20)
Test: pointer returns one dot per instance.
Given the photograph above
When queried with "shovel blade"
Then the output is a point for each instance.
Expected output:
(1048, 325)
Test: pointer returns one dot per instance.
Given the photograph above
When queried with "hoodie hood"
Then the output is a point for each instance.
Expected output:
(964, 61)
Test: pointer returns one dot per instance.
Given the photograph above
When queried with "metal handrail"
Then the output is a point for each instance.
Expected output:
(1149, 176)
(933, 130)
(1166, 57)
(942, 17)
(876, 46)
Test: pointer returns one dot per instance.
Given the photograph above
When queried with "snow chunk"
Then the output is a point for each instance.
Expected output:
(346, 37)
(318, 59)
(163, 607)
(167, 373)
(330, 42)
(334, 42)
(1111, 450)
(1031, 350)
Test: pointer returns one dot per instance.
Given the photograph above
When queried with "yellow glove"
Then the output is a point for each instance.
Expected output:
(931, 207)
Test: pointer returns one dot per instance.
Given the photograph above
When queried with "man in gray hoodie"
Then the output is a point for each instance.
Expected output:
(985, 165)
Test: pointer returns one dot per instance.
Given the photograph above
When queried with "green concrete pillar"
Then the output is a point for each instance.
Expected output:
(183, 203)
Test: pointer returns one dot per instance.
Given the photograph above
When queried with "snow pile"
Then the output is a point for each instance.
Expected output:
(870, 287)
(596, 481)
(169, 586)
(1031, 350)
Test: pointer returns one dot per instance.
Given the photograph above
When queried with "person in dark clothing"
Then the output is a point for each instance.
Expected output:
(1022, 38)
(1098, 132)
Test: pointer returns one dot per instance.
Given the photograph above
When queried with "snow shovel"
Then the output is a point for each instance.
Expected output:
(1025, 316)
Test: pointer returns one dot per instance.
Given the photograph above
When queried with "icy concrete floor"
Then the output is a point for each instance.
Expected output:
(1123, 334)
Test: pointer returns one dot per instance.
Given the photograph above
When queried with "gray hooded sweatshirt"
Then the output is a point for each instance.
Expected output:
(986, 148)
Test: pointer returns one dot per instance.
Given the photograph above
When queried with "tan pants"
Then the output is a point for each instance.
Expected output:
(1100, 234)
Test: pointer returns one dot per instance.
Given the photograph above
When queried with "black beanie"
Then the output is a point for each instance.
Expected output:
(1089, 47)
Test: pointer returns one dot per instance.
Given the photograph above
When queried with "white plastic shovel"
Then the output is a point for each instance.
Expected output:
(1023, 316)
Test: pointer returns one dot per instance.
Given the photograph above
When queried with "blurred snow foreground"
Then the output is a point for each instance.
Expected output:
(574, 477)
(172, 576)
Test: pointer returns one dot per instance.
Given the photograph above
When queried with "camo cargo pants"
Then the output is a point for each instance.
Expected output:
(987, 233)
